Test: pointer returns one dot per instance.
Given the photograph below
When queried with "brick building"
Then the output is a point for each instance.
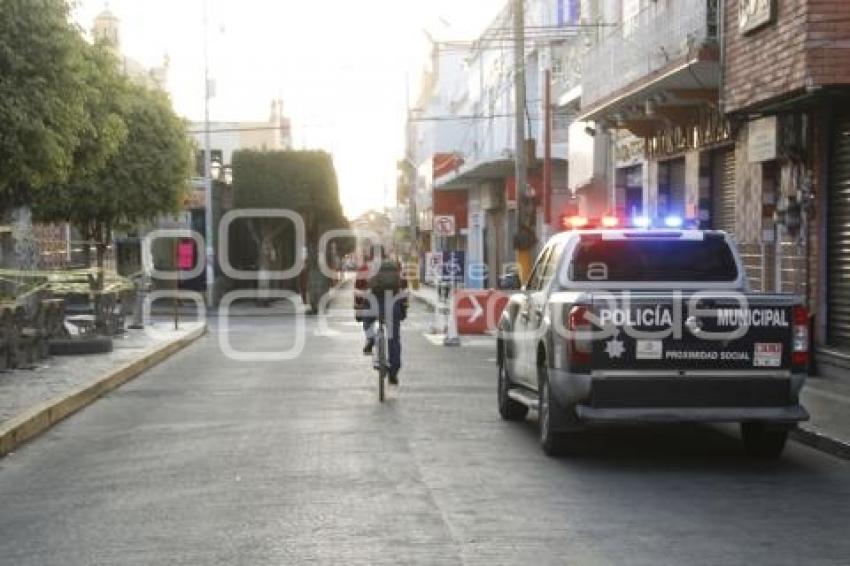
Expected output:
(786, 93)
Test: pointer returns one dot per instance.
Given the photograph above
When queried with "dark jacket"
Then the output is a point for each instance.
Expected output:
(364, 284)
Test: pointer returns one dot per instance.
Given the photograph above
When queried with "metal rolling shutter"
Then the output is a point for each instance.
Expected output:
(838, 237)
(723, 197)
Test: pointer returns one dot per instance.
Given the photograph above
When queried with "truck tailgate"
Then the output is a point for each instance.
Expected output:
(667, 333)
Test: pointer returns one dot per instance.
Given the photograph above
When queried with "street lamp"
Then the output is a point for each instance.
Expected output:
(215, 170)
(208, 216)
(221, 173)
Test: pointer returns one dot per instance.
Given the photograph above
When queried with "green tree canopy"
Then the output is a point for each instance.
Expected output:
(107, 99)
(42, 96)
(302, 181)
(147, 176)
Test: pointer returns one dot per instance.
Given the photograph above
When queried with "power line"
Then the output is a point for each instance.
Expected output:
(532, 33)
(440, 118)
(499, 46)
(242, 129)
(465, 117)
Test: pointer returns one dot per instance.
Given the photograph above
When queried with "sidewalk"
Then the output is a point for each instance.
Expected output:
(31, 401)
(828, 402)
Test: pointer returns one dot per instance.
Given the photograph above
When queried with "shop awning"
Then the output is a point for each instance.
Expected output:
(480, 171)
(673, 90)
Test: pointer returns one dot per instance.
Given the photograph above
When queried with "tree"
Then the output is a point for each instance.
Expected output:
(42, 96)
(106, 103)
(302, 181)
(146, 177)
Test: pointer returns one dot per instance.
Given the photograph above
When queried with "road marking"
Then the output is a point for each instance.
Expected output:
(465, 341)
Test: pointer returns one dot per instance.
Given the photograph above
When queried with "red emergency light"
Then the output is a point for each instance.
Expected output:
(610, 222)
(575, 222)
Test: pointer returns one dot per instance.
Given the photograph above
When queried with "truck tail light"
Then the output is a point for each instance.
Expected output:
(579, 347)
(800, 338)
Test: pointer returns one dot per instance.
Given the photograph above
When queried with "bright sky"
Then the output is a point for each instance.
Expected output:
(340, 67)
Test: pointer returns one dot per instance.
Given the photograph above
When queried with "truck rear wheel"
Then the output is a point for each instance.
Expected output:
(763, 440)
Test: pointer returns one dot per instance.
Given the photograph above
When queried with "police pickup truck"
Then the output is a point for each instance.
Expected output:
(651, 326)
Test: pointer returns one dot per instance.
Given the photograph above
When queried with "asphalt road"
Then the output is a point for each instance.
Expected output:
(209, 460)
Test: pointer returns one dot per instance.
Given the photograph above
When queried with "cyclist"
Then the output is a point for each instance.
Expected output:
(362, 308)
(383, 294)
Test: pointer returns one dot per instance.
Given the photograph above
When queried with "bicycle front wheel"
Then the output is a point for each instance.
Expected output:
(382, 365)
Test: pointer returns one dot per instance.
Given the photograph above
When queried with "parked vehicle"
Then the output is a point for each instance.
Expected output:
(647, 326)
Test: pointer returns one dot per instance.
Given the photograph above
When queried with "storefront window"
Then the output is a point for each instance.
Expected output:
(671, 187)
(630, 191)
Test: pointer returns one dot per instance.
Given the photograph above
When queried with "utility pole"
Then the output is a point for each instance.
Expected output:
(547, 159)
(521, 165)
(208, 187)
(409, 172)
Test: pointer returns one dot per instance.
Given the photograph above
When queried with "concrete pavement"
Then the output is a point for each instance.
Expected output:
(828, 402)
(210, 460)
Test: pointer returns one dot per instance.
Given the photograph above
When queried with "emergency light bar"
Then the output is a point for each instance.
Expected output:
(689, 235)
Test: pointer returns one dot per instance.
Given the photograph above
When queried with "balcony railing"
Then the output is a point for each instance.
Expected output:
(664, 32)
(568, 69)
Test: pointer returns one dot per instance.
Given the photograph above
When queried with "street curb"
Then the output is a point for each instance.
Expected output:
(209, 315)
(43, 416)
(821, 442)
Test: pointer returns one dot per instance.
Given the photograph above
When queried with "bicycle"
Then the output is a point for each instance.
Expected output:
(379, 358)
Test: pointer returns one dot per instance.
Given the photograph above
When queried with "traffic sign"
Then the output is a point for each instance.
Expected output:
(433, 267)
(454, 266)
(444, 225)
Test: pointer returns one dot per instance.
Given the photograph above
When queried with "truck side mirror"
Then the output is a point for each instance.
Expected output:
(510, 282)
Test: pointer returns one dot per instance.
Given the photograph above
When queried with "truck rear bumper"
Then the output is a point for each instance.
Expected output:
(648, 398)
(792, 414)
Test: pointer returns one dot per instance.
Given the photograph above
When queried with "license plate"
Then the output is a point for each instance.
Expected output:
(649, 349)
(768, 355)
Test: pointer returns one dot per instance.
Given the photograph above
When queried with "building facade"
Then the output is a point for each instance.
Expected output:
(107, 31)
(470, 170)
(650, 89)
(274, 134)
(724, 114)
(731, 115)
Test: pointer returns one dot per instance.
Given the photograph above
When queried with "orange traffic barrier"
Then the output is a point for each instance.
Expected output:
(478, 311)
